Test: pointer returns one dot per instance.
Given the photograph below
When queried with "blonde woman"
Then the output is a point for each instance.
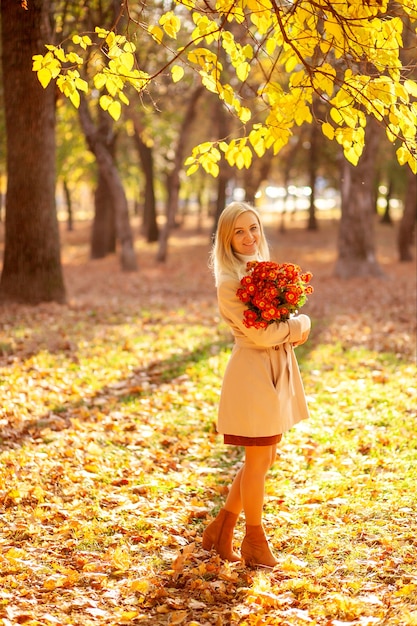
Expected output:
(262, 393)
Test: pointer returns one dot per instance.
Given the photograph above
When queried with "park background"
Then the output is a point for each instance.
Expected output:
(111, 467)
(110, 463)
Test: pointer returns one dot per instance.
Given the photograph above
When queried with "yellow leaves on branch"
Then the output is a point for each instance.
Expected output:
(273, 63)
(207, 155)
(84, 42)
(237, 153)
(171, 24)
(404, 155)
(209, 67)
(389, 101)
(205, 29)
(114, 77)
(71, 84)
(156, 33)
(258, 138)
(324, 79)
(238, 55)
(47, 67)
(289, 41)
(113, 107)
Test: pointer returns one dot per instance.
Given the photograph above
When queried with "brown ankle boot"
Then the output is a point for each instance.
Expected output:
(255, 549)
(219, 535)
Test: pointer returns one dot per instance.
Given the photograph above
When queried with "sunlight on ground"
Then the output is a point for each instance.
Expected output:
(110, 465)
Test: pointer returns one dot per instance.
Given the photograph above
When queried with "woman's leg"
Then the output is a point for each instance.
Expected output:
(234, 497)
(258, 460)
(219, 534)
(255, 548)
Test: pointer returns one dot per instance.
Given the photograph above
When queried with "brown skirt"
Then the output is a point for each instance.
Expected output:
(237, 440)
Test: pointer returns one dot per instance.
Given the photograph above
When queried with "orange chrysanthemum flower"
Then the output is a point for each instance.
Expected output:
(272, 292)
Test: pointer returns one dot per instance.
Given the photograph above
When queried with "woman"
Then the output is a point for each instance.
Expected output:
(262, 393)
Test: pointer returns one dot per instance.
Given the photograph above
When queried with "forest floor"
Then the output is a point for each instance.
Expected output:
(110, 466)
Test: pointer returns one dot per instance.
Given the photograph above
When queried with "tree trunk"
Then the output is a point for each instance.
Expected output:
(32, 271)
(149, 225)
(221, 197)
(313, 154)
(290, 153)
(68, 200)
(103, 232)
(174, 176)
(408, 220)
(223, 130)
(1, 205)
(356, 232)
(97, 141)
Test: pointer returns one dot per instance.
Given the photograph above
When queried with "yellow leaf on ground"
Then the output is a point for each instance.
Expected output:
(127, 616)
(142, 585)
(178, 617)
(15, 553)
(120, 559)
(92, 467)
(55, 581)
(406, 590)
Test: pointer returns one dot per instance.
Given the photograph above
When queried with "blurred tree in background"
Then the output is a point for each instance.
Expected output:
(293, 93)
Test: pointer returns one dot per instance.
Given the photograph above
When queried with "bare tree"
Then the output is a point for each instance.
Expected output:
(173, 178)
(357, 255)
(108, 169)
(407, 228)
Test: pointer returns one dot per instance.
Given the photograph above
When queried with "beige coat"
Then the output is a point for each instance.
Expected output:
(262, 392)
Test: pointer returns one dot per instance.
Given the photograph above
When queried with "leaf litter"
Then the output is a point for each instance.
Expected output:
(110, 465)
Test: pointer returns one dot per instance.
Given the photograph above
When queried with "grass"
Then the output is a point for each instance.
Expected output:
(340, 499)
(110, 468)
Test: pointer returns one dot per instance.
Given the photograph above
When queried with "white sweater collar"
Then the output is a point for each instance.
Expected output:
(245, 258)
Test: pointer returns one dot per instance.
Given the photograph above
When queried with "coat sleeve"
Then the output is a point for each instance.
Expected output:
(231, 309)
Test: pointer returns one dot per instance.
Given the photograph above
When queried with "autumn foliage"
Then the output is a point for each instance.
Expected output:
(268, 62)
(111, 468)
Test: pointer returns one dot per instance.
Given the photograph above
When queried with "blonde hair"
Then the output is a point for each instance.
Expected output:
(223, 259)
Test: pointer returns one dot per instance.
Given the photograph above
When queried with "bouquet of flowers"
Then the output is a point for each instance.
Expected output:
(272, 291)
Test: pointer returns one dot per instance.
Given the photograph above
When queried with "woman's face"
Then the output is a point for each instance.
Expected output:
(246, 234)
